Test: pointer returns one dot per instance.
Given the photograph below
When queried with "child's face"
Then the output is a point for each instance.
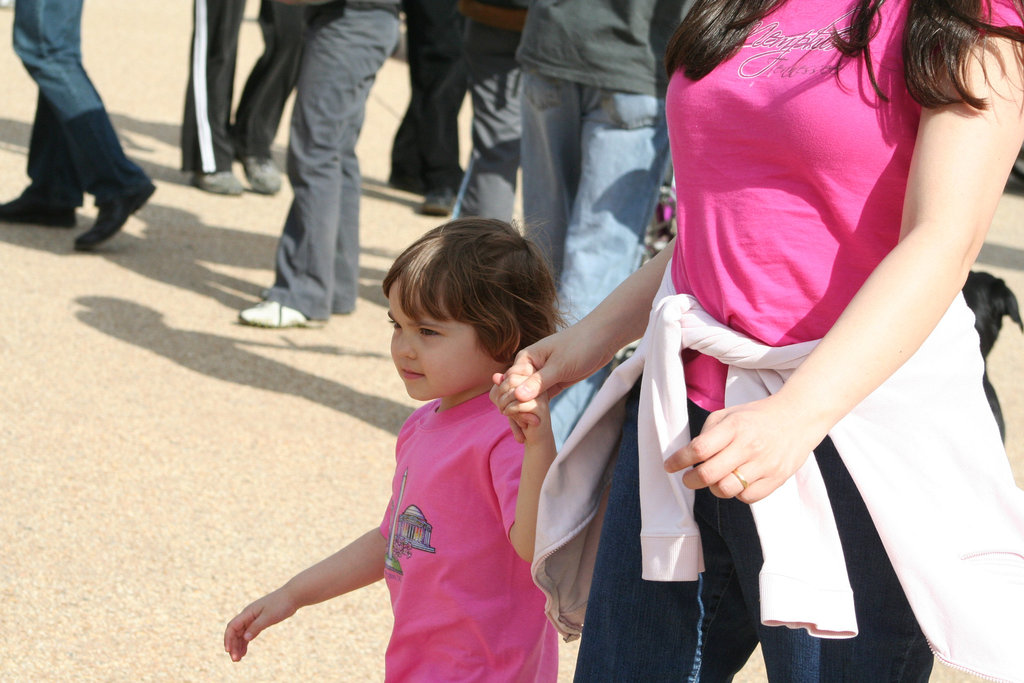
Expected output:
(439, 359)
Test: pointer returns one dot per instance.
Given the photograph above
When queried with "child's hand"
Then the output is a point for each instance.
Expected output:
(267, 611)
(522, 416)
(539, 427)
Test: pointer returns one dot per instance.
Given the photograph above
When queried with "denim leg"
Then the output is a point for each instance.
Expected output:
(889, 646)
(568, 406)
(635, 630)
(622, 160)
(623, 163)
(345, 48)
(729, 627)
(552, 125)
(47, 38)
(638, 630)
(50, 166)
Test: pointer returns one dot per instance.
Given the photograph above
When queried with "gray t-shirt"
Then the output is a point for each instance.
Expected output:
(613, 44)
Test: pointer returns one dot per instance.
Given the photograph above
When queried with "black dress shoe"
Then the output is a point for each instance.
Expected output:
(112, 217)
(30, 210)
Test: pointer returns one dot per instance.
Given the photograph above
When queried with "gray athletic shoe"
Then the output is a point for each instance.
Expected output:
(221, 182)
(263, 175)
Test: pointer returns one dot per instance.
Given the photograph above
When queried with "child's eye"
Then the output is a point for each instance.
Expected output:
(391, 321)
(427, 332)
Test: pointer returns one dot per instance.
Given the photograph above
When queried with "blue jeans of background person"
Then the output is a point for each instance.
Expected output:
(639, 630)
(592, 162)
(318, 254)
(73, 148)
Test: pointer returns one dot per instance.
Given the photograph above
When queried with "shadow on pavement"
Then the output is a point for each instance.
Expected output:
(378, 189)
(176, 247)
(167, 133)
(1001, 256)
(229, 360)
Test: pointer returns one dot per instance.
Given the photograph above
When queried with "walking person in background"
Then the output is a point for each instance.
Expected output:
(425, 153)
(810, 465)
(73, 148)
(493, 28)
(210, 141)
(594, 147)
(317, 262)
(463, 299)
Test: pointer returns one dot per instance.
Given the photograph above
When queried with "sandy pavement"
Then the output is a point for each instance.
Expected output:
(160, 465)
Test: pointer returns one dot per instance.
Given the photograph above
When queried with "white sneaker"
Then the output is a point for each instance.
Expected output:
(273, 314)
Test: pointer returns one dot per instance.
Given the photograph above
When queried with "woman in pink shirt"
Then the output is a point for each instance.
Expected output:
(837, 167)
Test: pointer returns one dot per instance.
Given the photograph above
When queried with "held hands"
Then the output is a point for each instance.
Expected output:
(544, 368)
(529, 419)
(267, 611)
(747, 451)
(515, 399)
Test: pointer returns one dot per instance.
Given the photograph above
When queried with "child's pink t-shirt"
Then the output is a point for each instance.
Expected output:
(466, 608)
(790, 174)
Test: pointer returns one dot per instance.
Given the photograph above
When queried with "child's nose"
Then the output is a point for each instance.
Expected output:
(401, 348)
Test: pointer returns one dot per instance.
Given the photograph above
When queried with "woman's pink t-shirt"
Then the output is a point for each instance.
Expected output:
(790, 174)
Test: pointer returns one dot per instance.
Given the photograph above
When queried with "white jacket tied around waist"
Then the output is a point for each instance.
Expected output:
(923, 450)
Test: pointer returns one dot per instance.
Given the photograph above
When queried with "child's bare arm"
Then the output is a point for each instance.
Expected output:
(537, 458)
(358, 564)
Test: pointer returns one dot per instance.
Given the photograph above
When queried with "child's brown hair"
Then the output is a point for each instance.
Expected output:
(482, 272)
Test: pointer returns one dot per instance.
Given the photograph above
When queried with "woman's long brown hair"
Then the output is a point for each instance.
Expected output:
(937, 43)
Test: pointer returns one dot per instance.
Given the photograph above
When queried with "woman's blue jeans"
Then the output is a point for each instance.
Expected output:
(705, 631)
(74, 148)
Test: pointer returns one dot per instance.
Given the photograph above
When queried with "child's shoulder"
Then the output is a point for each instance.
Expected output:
(476, 423)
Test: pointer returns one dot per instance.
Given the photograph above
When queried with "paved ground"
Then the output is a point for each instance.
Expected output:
(161, 465)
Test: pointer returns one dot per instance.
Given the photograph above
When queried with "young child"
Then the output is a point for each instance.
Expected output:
(464, 298)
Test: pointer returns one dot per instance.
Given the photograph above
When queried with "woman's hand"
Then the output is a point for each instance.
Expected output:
(764, 441)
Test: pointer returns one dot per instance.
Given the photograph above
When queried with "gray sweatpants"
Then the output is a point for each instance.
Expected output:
(495, 83)
(318, 255)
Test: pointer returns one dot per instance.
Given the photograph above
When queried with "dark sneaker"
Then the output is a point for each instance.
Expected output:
(263, 175)
(438, 202)
(221, 182)
(30, 210)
